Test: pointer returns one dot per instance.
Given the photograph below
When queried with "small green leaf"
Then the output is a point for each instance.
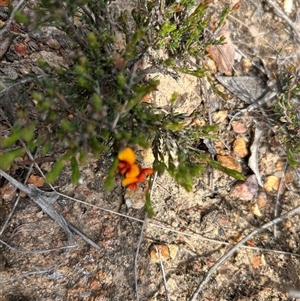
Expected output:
(174, 97)
(75, 171)
(110, 179)
(231, 172)
(148, 206)
(21, 18)
(291, 159)
(54, 173)
(8, 158)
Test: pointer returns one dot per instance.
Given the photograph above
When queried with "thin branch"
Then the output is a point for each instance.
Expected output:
(163, 273)
(16, 203)
(139, 244)
(6, 28)
(238, 245)
(45, 200)
(36, 251)
(136, 259)
(283, 16)
(278, 198)
(169, 229)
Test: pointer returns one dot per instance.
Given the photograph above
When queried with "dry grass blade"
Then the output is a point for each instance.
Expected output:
(35, 251)
(238, 245)
(253, 160)
(282, 15)
(45, 200)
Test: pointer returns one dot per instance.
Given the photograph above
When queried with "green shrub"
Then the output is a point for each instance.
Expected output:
(95, 105)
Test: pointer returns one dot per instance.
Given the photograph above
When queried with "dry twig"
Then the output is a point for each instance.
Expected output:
(139, 244)
(163, 273)
(238, 245)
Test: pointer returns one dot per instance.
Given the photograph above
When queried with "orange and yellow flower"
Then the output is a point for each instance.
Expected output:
(132, 172)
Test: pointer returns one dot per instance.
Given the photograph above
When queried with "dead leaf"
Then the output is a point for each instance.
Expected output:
(250, 243)
(272, 183)
(253, 160)
(163, 250)
(229, 162)
(238, 127)
(223, 55)
(37, 181)
(245, 191)
(240, 147)
(4, 3)
(289, 176)
(20, 49)
(255, 261)
(8, 191)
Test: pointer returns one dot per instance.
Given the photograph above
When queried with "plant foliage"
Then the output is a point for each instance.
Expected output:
(96, 104)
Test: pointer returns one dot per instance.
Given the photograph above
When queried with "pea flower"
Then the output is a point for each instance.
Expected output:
(133, 173)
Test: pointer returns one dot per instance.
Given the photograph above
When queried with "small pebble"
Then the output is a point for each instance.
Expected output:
(52, 43)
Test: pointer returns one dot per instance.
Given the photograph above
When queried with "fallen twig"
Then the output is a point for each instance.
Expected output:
(278, 197)
(139, 244)
(163, 273)
(238, 245)
(169, 229)
(46, 200)
(282, 15)
(36, 251)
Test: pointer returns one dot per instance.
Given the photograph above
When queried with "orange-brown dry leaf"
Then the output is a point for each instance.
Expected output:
(255, 261)
(36, 181)
(289, 176)
(8, 191)
(250, 243)
(240, 147)
(20, 49)
(272, 184)
(162, 249)
(120, 63)
(280, 165)
(229, 162)
(4, 3)
(223, 55)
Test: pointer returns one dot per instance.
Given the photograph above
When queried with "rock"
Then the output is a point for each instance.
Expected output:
(229, 162)
(240, 147)
(271, 183)
(246, 191)
(52, 43)
(238, 127)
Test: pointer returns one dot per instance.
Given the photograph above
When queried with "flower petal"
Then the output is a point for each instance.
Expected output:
(127, 155)
(133, 186)
(144, 173)
(123, 166)
(133, 171)
(128, 181)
